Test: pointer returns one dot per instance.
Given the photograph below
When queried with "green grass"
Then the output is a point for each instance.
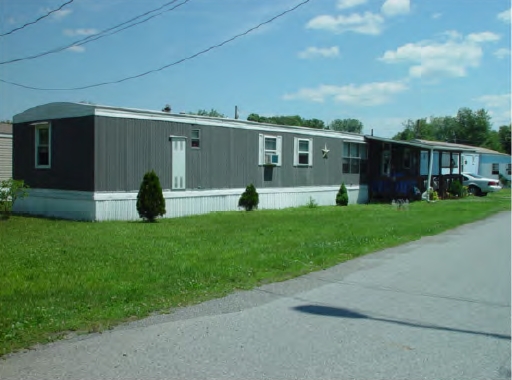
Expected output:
(61, 276)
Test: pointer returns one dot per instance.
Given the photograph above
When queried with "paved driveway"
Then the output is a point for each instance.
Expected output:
(438, 308)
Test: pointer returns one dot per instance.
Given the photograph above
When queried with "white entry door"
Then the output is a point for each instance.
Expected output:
(179, 146)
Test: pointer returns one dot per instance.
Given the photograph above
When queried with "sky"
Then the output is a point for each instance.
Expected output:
(380, 61)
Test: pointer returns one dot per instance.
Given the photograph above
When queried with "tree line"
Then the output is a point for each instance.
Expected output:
(468, 127)
(344, 125)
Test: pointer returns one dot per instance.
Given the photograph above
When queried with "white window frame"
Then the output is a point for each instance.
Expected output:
(296, 144)
(38, 127)
(198, 139)
(265, 156)
(495, 172)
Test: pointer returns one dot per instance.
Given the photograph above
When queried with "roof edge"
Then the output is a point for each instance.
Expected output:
(59, 110)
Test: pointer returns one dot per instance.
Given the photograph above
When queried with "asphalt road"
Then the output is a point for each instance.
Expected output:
(438, 308)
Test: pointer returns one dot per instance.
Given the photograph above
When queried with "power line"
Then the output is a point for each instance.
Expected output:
(166, 66)
(101, 34)
(129, 26)
(37, 20)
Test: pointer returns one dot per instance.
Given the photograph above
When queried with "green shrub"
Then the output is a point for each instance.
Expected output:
(10, 190)
(433, 195)
(465, 191)
(150, 199)
(249, 200)
(455, 189)
(342, 196)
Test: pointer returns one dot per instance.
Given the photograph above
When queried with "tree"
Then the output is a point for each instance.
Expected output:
(468, 127)
(415, 129)
(504, 137)
(314, 123)
(443, 128)
(254, 117)
(150, 199)
(493, 141)
(289, 120)
(346, 125)
(211, 113)
(473, 127)
(342, 196)
(249, 200)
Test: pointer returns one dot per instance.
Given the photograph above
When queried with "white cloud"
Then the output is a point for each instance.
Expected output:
(396, 7)
(502, 53)
(312, 52)
(504, 16)
(345, 4)
(452, 57)
(435, 16)
(80, 32)
(483, 37)
(452, 34)
(367, 23)
(11, 21)
(59, 15)
(76, 49)
(495, 101)
(368, 94)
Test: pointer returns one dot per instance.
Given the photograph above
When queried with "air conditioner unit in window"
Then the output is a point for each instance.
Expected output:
(271, 159)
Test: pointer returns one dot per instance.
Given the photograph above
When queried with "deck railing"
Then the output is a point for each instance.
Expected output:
(388, 188)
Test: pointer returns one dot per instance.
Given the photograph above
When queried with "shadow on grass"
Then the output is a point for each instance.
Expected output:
(347, 313)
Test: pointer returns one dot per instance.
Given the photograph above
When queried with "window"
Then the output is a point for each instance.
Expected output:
(303, 152)
(354, 158)
(43, 145)
(495, 168)
(509, 169)
(445, 160)
(407, 159)
(195, 139)
(270, 150)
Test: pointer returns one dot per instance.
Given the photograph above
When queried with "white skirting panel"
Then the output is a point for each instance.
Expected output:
(123, 206)
(75, 205)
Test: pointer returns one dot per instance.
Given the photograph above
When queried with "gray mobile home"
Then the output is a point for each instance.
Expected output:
(86, 161)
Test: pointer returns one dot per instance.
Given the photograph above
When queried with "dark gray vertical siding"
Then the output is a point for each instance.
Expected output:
(127, 148)
(72, 155)
(227, 157)
(324, 172)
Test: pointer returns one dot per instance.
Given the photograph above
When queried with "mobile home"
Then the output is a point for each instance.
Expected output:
(86, 162)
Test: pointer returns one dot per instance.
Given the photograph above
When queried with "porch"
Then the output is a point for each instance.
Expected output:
(399, 169)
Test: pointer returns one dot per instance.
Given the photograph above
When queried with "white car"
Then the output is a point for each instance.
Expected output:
(480, 186)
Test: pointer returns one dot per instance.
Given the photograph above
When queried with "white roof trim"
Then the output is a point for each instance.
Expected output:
(66, 110)
(420, 145)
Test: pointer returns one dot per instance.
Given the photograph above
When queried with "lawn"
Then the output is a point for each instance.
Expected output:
(61, 276)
